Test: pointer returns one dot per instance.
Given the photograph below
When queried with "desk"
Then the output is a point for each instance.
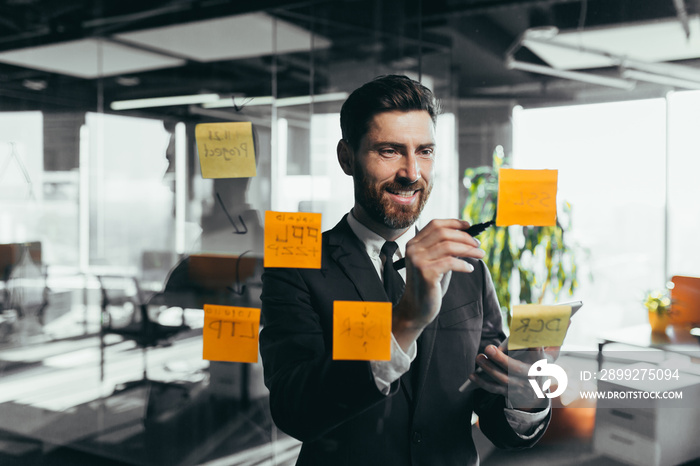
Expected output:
(652, 433)
(675, 340)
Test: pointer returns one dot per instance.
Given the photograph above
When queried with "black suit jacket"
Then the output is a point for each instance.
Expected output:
(335, 408)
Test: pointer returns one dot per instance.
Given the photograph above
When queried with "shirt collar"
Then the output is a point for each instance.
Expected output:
(373, 242)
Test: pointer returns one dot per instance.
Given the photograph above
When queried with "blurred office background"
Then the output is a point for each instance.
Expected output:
(111, 241)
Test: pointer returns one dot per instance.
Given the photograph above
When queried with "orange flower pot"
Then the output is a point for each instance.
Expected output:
(658, 321)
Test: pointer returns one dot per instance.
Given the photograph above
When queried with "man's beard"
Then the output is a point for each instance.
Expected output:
(384, 211)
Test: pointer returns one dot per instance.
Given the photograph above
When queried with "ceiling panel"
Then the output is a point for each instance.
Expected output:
(659, 41)
(228, 38)
(81, 58)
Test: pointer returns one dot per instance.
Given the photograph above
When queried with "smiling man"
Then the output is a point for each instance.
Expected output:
(382, 198)
(445, 316)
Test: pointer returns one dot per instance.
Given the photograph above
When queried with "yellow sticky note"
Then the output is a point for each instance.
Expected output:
(535, 325)
(226, 150)
(292, 239)
(362, 330)
(230, 333)
(527, 197)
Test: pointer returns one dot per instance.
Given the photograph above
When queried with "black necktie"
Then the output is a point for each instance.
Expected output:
(393, 283)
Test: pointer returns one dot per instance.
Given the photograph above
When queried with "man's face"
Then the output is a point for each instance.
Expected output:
(393, 167)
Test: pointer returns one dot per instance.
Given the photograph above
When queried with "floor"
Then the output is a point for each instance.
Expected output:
(57, 409)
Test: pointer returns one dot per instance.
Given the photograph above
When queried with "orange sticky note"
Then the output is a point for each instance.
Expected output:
(226, 150)
(230, 333)
(362, 330)
(527, 197)
(292, 239)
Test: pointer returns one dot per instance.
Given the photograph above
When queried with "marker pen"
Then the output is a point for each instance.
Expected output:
(473, 231)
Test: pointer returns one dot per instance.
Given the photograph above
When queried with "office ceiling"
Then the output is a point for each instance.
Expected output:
(85, 54)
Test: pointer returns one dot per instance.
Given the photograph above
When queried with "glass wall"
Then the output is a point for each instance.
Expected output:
(112, 241)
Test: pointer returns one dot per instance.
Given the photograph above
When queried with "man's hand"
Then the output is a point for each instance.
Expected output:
(508, 376)
(430, 256)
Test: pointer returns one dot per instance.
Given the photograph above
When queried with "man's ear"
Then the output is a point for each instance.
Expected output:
(345, 156)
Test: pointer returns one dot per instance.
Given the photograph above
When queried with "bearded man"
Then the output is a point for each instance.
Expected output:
(445, 317)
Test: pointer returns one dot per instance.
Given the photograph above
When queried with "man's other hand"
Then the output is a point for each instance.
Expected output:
(508, 376)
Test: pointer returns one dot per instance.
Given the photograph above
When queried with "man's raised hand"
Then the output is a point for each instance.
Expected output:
(431, 256)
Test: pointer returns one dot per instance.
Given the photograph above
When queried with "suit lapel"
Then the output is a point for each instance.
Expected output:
(453, 297)
(350, 255)
(426, 342)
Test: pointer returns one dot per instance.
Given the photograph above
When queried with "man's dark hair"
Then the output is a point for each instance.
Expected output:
(383, 94)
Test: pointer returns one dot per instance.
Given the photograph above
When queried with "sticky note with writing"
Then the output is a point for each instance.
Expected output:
(292, 239)
(362, 330)
(226, 150)
(230, 333)
(535, 325)
(527, 197)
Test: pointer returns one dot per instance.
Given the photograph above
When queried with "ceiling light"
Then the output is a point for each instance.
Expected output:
(541, 33)
(164, 101)
(128, 81)
(239, 102)
(307, 99)
(35, 84)
(283, 102)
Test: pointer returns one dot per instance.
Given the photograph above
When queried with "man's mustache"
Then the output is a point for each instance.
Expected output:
(405, 185)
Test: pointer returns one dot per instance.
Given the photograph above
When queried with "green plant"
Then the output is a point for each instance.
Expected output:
(545, 261)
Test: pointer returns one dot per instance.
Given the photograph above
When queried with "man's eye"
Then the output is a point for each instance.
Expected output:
(388, 151)
(426, 153)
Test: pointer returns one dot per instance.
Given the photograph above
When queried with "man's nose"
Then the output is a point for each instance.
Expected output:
(410, 170)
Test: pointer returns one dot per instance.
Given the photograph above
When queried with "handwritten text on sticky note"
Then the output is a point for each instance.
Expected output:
(362, 330)
(527, 197)
(226, 150)
(292, 239)
(535, 325)
(230, 333)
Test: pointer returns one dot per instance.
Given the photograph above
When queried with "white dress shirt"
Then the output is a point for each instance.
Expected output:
(525, 424)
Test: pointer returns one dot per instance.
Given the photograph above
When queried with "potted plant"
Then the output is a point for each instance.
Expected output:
(543, 257)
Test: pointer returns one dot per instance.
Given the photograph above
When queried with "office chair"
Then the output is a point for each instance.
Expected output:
(125, 313)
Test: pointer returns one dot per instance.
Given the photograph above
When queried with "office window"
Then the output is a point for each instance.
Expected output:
(21, 176)
(683, 186)
(611, 162)
(131, 205)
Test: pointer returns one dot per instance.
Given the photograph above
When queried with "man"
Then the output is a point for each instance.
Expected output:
(406, 411)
